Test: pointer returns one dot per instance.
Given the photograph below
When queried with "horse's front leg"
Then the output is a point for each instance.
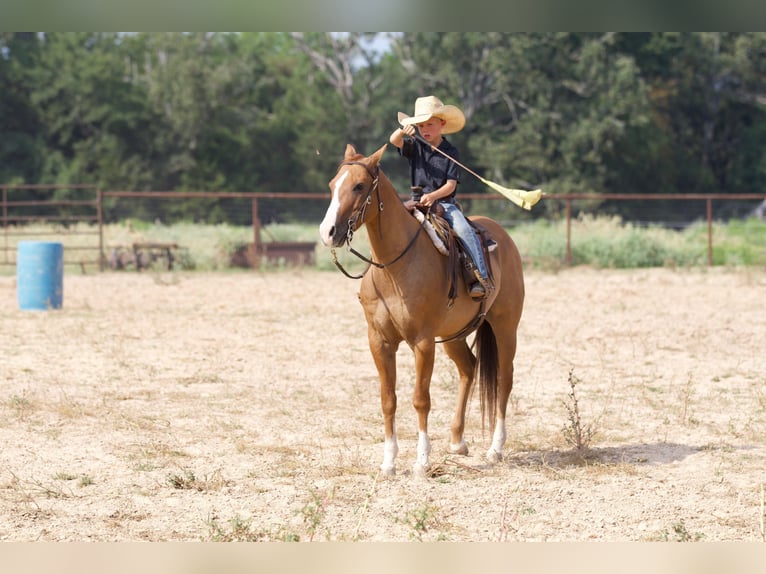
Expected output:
(384, 355)
(421, 400)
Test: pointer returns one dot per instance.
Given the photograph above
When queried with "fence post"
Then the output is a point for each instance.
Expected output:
(100, 217)
(5, 223)
(709, 231)
(569, 231)
(256, 253)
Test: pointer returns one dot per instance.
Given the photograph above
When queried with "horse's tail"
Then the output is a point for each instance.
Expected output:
(486, 372)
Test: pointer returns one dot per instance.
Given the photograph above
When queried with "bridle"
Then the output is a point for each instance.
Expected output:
(358, 215)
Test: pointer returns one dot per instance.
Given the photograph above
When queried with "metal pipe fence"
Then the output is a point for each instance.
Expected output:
(22, 207)
(24, 214)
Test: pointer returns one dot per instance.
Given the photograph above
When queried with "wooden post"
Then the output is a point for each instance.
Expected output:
(256, 257)
(709, 232)
(100, 218)
(569, 232)
(5, 224)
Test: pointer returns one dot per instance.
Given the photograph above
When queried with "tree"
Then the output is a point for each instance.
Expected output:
(542, 109)
(22, 149)
(97, 124)
(707, 99)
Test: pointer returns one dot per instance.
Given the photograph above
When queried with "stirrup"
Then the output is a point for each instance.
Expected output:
(477, 291)
(482, 288)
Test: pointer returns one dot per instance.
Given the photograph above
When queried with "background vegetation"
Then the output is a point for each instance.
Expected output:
(599, 242)
(571, 112)
(605, 242)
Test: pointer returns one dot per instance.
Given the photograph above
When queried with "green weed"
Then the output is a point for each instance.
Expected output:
(421, 521)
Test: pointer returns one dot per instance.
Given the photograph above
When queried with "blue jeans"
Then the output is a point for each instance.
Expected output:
(464, 231)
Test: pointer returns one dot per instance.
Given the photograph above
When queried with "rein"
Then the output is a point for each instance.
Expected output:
(470, 327)
(359, 214)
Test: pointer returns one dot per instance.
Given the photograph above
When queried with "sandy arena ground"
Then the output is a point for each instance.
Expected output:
(244, 406)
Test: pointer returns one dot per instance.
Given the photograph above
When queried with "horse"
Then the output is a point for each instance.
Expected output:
(404, 295)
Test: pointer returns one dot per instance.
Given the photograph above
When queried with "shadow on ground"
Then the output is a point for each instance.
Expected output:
(652, 454)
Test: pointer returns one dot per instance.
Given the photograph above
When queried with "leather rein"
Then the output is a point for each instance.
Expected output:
(359, 214)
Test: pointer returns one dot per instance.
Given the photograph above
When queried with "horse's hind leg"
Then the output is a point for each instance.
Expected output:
(464, 360)
(507, 350)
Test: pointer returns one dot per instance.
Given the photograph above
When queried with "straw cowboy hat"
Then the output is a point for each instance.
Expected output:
(431, 106)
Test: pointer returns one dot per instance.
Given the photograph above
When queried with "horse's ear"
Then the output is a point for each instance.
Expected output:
(350, 151)
(375, 158)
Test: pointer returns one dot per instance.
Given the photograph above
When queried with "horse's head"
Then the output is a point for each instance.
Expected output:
(352, 188)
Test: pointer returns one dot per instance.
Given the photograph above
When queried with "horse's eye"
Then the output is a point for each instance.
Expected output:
(358, 188)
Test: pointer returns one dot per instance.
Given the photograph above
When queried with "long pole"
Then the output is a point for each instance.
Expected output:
(522, 198)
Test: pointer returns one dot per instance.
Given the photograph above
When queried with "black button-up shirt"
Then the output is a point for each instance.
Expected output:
(429, 169)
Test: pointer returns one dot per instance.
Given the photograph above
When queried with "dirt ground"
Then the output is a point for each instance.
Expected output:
(244, 406)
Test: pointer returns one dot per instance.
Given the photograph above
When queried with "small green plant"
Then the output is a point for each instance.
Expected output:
(241, 530)
(22, 405)
(64, 476)
(85, 481)
(422, 520)
(679, 534)
(576, 434)
(313, 513)
(187, 480)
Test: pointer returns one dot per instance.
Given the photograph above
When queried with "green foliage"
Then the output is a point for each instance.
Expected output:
(604, 242)
(609, 243)
(740, 243)
(272, 112)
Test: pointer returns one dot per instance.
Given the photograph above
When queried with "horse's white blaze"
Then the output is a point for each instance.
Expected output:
(390, 450)
(330, 217)
(424, 449)
(498, 439)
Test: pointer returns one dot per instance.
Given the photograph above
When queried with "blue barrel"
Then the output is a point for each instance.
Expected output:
(40, 275)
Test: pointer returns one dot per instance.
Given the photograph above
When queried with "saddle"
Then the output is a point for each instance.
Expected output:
(449, 244)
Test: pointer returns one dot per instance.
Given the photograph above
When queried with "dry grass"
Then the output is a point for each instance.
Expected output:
(244, 407)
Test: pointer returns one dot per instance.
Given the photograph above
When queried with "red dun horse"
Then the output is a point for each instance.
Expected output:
(405, 298)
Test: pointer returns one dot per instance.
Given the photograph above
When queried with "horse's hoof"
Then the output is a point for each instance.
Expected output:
(420, 471)
(494, 456)
(387, 470)
(461, 448)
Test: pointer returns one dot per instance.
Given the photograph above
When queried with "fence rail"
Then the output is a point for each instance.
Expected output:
(16, 213)
(708, 198)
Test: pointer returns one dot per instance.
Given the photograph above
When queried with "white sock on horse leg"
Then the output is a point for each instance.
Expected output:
(495, 451)
(390, 450)
(424, 450)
